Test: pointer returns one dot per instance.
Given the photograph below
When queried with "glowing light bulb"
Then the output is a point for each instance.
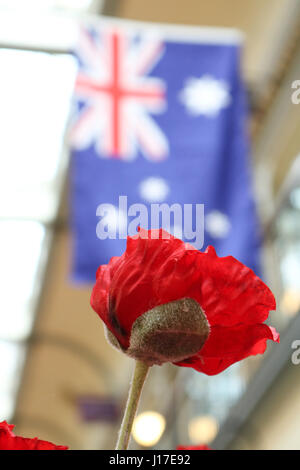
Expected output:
(148, 428)
(290, 302)
(203, 429)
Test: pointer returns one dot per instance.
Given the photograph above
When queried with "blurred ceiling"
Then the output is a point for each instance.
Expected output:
(267, 26)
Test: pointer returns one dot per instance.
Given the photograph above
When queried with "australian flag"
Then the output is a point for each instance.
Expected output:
(160, 117)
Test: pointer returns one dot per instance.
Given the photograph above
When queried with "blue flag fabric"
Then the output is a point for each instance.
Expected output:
(161, 118)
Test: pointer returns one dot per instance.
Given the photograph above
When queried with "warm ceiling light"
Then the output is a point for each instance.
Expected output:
(203, 429)
(290, 302)
(148, 428)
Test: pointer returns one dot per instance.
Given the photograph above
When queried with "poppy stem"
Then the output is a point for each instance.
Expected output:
(138, 379)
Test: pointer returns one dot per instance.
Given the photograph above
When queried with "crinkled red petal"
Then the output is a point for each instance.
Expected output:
(200, 447)
(8, 441)
(154, 271)
(228, 345)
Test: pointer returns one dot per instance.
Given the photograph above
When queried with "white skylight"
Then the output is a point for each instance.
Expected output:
(35, 96)
(35, 100)
(20, 250)
(12, 357)
(45, 4)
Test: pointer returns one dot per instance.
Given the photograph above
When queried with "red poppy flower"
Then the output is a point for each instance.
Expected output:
(9, 441)
(163, 300)
(200, 447)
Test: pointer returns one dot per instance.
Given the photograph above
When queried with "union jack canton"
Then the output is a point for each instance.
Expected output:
(120, 96)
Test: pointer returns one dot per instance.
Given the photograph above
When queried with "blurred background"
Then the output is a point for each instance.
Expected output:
(60, 380)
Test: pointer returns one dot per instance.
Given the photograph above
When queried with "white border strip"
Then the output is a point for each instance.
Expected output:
(59, 32)
(170, 32)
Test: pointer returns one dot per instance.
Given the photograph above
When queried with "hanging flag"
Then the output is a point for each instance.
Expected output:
(159, 128)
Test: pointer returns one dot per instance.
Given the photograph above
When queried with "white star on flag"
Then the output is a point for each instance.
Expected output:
(205, 95)
(217, 224)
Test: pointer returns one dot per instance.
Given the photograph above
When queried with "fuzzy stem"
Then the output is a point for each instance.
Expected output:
(138, 379)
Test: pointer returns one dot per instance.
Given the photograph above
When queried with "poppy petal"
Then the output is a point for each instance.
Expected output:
(157, 268)
(9, 441)
(228, 345)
